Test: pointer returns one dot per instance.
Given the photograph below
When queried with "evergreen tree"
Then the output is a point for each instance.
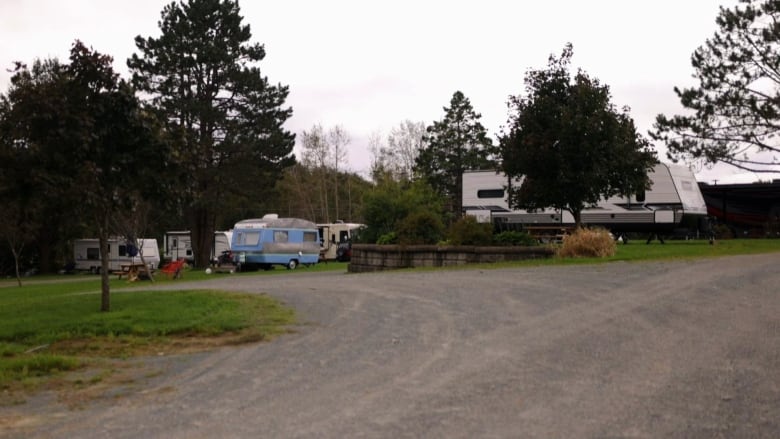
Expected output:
(453, 145)
(569, 144)
(203, 76)
(733, 114)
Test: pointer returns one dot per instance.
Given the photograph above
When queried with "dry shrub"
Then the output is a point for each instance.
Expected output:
(588, 243)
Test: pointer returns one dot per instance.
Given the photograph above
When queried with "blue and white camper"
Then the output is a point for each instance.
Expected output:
(270, 240)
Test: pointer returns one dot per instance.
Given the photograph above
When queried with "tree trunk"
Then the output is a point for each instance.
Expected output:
(577, 214)
(202, 236)
(16, 265)
(105, 292)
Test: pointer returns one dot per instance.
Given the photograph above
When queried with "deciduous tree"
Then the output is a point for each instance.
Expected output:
(95, 146)
(569, 143)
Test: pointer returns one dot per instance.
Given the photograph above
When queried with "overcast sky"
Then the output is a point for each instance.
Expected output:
(369, 65)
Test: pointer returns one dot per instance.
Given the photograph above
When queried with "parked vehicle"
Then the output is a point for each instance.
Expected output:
(335, 237)
(674, 201)
(86, 254)
(268, 241)
(178, 245)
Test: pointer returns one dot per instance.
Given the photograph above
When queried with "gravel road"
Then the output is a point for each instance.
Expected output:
(621, 350)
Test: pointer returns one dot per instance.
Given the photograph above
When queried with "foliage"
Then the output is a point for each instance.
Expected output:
(391, 201)
(95, 148)
(388, 238)
(397, 157)
(588, 243)
(420, 227)
(732, 115)
(453, 145)
(203, 77)
(467, 231)
(569, 143)
(301, 194)
(513, 237)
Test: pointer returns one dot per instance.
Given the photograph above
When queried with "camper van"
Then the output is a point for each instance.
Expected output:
(86, 254)
(178, 245)
(334, 236)
(270, 240)
(674, 201)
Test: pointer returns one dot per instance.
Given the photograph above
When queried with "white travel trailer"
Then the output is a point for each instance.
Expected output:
(674, 201)
(334, 234)
(178, 245)
(86, 254)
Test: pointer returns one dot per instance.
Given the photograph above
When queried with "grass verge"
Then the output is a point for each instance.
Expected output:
(50, 328)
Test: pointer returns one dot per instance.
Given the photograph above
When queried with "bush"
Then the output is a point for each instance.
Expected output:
(513, 237)
(420, 228)
(467, 231)
(588, 243)
(388, 238)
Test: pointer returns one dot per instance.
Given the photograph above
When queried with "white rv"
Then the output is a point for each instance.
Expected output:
(86, 254)
(673, 200)
(178, 245)
(334, 234)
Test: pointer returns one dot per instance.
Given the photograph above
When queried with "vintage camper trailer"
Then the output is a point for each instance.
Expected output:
(86, 254)
(674, 201)
(267, 241)
(178, 245)
(335, 235)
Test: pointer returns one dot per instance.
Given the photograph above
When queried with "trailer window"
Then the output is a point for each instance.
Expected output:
(281, 236)
(309, 236)
(122, 250)
(490, 193)
(248, 238)
(93, 253)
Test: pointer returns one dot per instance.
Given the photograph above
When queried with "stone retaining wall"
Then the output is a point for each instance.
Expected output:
(371, 257)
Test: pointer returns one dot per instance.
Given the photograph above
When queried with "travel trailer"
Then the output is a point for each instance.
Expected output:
(178, 245)
(335, 235)
(674, 201)
(86, 254)
(270, 240)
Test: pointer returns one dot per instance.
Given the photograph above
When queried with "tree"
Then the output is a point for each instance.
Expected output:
(453, 145)
(203, 77)
(399, 154)
(732, 116)
(94, 144)
(569, 144)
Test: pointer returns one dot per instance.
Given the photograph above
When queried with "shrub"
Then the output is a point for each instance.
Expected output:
(594, 242)
(420, 228)
(467, 231)
(388, 238)
(514, 237)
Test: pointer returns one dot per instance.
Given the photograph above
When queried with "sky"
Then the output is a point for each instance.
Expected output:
(370, 65)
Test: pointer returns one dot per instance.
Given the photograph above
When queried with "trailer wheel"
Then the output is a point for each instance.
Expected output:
(292, 264)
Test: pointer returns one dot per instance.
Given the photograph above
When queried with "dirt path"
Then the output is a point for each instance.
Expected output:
(671, 349)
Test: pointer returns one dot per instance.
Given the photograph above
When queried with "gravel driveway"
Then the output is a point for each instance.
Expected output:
(629, 350)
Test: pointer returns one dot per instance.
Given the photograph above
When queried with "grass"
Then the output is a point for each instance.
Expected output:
(51, 327)
(52, 324)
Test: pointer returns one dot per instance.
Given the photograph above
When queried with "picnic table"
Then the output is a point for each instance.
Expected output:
(133, 271)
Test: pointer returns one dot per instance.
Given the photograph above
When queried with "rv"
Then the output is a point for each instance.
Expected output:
(674, 201)
(178, 245)
(334, 236)
(86, 254)
(272, 240)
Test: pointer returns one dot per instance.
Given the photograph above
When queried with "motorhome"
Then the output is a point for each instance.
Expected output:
(178, 245)
(335, 235)
(270, 240)
(674, 201)
(86, 254)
